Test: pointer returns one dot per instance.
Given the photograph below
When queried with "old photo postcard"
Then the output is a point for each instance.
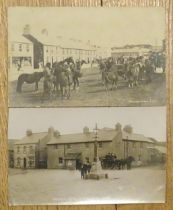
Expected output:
(87, 156)
(86, 57)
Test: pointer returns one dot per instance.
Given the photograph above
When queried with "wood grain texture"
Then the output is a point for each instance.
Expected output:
(168, 5)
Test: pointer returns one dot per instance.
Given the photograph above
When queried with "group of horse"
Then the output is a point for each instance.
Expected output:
(63, 75)
(110, 161)
(132, 70)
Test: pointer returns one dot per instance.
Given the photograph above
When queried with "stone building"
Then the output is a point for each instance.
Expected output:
(31, 151)
(11, 143)
(52, 149)
(66, 151)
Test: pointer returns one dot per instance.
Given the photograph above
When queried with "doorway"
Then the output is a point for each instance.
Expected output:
(24, 163)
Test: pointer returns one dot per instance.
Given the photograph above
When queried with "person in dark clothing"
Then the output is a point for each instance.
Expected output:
(82, 172)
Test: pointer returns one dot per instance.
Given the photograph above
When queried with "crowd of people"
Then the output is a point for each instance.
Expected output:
(131, 69)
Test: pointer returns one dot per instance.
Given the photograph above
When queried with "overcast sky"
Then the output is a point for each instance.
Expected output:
(150, 121)
(103, 26)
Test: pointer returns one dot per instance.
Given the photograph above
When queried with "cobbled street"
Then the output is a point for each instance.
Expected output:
(65, 187)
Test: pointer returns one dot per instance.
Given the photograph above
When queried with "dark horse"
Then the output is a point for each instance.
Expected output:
(29, 78)
(76, 73)
(62, 77)
(111, 162)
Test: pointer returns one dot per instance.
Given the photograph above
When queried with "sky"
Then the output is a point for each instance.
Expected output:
(102, 26)
(149, 121)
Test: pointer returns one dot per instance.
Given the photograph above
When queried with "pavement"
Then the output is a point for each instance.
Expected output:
(45, 186)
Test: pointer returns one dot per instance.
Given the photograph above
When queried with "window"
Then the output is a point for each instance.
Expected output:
(141, 145)
(68, 146)
(60, 160)
(31, 162)
(27, 47)
(47, 49)
(20, 47)
(55, 146)
(134, 144)
(24, 149)
(18, 161)
(31, 150)
(100, 144)
(86, 145)
(18, 149)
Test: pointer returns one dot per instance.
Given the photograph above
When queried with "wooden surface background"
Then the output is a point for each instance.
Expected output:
(168, 5)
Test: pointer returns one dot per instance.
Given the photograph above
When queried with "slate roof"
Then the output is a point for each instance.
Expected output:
(135, 137)
(62, 42)
(46, 40)
(103, 135)
(18, 38)
(11, 143)
(32, 139)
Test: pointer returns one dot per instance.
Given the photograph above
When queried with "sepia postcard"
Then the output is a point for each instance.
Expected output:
(83, 57)
(87, 156)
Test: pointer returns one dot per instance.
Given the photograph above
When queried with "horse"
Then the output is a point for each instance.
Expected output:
(62, 77)
(76, 74)
(29, 78)
(110, 76)
(111, 162)
(126, 162)
(133, 75)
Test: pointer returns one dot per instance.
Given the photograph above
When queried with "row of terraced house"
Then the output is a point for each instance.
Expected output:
(53, 150)
(36, 49)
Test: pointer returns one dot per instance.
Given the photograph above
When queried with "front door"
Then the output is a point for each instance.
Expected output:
(24, 163)
(78, 164)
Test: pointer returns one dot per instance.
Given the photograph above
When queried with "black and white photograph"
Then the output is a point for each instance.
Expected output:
(85, 57)
(87, 155)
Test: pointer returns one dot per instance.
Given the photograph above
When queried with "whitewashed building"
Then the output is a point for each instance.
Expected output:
(51, 48)
(129, 51)
(20, 52)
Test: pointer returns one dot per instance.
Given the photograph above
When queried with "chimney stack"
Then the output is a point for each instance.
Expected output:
(128, 129)
(26, 29)
(28, 132)
(57, 133)
(51, 132)
(118, 127)
(86, 130)
(44, 31)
